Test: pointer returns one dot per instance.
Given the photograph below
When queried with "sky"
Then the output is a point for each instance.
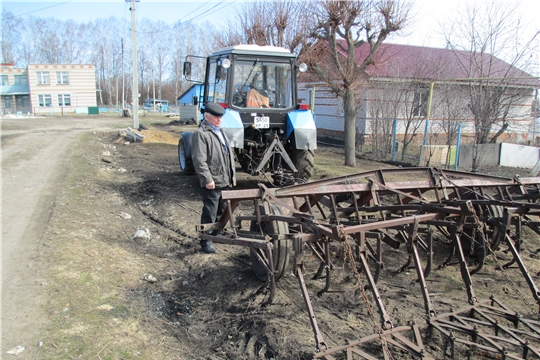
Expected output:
(81, 11)
(424, 30)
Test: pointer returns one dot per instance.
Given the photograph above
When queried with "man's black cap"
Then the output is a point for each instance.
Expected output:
(214, 109)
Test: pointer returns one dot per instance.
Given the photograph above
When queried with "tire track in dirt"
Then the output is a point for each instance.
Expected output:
(28, 179)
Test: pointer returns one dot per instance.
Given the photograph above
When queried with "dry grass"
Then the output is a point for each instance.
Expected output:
(158, 136)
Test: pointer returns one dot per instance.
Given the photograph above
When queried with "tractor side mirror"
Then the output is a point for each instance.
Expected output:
(187, 69)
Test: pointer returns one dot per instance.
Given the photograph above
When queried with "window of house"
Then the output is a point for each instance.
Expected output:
(44, 100)
(22, 101)
(64, 100)
(20, 80)
(7, 102)
(5, 80)
(62, 77)
(43, 77)
(420, 101)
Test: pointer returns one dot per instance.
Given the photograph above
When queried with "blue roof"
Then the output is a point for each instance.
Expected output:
(187, 96)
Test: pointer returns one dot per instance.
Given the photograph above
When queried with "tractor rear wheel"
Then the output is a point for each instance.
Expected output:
(184, 154)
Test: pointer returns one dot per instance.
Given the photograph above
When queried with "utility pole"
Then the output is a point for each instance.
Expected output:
(154, 88)
(117, 102)
(134, 66)
(123, 79)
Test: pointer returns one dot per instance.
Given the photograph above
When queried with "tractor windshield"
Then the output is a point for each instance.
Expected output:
(261, 84)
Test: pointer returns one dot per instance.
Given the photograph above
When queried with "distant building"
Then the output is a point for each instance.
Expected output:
(397, 84)
(15, 91)
(195, 91)
(47, 88)
(188, 103)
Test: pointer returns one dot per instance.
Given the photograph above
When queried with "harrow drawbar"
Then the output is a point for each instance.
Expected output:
(478, 215)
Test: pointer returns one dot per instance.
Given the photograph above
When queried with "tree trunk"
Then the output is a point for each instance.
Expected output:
(499, 133)
(349, 109)
(475, 158)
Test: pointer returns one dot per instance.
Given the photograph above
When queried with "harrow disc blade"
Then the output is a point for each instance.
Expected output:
(280, 252)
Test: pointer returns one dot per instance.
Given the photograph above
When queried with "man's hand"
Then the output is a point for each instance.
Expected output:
(211, 186)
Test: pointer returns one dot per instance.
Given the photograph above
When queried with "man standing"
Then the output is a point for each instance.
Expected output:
(213, 160)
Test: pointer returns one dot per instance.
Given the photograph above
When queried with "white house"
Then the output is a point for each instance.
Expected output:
(48, 88)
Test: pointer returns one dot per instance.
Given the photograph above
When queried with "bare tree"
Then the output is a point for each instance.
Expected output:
(450, 100)
(389, 101)
(341, 27)
(279, 23)
(382, 114)
(72, 41)
(253, 23)
(154, 42)
(178, 44)
(288, 25)
(12, 29)
(105, 50)
(433, 141)
(414, 103)
(484, 34)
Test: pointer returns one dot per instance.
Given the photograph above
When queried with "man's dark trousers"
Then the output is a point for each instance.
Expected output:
(213, 208)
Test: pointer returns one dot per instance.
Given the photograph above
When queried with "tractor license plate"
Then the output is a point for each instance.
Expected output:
(262, 122)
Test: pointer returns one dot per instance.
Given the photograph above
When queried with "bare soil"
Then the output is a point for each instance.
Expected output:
(87, 289)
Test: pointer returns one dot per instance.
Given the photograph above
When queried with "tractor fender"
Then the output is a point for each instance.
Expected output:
(232, 125)
(301, 122)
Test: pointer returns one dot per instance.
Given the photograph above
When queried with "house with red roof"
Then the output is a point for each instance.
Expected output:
(397, 86)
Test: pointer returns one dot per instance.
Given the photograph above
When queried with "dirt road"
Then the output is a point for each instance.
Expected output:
(33, 165)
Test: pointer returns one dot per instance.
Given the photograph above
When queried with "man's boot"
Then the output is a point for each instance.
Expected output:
(207, 247)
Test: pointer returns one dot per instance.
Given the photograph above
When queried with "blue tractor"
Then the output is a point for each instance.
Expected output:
(267, 127)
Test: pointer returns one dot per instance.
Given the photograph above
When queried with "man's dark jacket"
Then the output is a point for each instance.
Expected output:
(210, 158)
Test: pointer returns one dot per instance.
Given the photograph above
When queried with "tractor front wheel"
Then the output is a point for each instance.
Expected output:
(304, 160)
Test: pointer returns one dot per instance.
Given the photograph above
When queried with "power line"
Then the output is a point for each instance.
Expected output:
(47, 7)
(196, 17)
(176, 22)
(210, 12)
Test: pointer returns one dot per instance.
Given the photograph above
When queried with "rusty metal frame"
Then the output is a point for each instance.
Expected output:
(505, 337)
(356, 209)
(396, 337)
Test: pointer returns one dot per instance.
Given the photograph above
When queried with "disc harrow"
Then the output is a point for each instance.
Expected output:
(478, 215)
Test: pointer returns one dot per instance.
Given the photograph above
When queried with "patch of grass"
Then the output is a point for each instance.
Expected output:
(120, 311)
(329, 162)
(84, 163)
